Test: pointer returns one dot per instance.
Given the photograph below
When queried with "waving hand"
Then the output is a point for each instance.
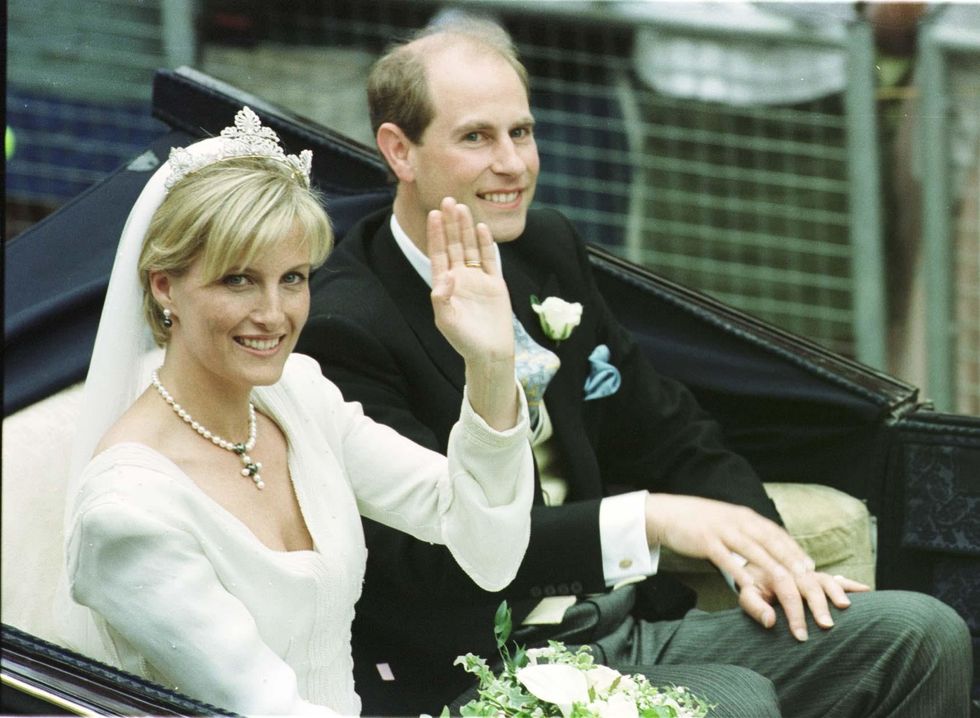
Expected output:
(472, 308)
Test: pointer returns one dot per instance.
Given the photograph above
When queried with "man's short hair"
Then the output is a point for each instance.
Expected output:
(397, 88)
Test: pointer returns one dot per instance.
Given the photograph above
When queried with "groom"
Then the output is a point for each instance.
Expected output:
(627, 461)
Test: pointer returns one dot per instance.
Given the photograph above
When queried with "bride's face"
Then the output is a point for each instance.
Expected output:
(241, 327)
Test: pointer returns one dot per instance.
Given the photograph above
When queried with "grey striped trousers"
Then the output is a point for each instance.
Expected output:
(891, 653)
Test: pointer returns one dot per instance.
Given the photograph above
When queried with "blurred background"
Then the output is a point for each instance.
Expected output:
(813, 164)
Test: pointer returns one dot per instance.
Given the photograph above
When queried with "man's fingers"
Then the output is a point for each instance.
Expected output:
(851, 585)
(834, 591)
(777, 543)
(436, 242)
(467, 236)
(788, 594)
(487, 250)
(732, 564)
(814, 590)
(451, 222)
(743, 541)
(762, 542)
(751, 601)
(837, 587)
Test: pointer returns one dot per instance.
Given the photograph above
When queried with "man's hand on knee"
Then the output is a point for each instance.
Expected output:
(791, 590)
(766, 563)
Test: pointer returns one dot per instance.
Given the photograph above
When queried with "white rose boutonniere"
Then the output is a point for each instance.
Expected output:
(558, 317)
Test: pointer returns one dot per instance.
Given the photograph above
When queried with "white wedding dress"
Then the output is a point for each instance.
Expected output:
(183, 593)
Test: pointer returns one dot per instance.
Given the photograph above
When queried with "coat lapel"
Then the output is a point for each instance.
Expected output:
(522, 284)
(411, 296)
(564, 395)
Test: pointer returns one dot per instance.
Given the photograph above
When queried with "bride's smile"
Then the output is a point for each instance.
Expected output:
(262, 345)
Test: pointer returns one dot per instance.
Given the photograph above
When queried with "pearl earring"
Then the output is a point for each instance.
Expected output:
(167, 320)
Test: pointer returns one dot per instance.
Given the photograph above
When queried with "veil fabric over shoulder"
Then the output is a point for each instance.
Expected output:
(124, 356)
(124, 353)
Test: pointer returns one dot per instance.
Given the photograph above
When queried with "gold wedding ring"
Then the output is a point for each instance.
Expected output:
(475, 263)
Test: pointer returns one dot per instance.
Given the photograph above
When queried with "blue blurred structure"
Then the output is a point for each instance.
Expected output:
(65, 145)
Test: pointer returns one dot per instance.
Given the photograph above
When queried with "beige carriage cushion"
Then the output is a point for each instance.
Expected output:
(36, 452)
(834, 528)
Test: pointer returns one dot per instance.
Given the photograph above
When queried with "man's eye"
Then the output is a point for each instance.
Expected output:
(472, 137)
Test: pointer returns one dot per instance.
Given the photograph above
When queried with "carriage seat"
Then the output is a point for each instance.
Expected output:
(36, 455)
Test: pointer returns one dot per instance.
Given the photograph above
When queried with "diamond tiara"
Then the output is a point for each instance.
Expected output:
(248, 138)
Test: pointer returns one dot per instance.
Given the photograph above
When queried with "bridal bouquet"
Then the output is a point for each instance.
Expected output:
(554, 681)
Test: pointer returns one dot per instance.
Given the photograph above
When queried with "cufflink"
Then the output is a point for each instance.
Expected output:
(625, 563)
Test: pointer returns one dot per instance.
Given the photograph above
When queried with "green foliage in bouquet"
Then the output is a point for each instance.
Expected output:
(554, 681)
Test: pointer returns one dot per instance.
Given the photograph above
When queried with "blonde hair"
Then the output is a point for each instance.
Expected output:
(228, 213)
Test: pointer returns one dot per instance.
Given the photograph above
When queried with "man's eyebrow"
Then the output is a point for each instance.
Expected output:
(473, 126)
(477, 125)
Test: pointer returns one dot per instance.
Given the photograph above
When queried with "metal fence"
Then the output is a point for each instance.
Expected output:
(79, 78)
(949, 78)
(682, 142)
(678, 141)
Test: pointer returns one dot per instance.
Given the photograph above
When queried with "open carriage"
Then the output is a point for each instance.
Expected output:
(800, 413)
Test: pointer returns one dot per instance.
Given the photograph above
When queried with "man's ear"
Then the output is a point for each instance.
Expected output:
(161, 286)
(397, 150)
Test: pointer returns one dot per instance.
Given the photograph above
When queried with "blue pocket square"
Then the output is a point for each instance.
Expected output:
(603, 379)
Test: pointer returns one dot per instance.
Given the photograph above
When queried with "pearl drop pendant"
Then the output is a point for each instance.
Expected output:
(251, 469)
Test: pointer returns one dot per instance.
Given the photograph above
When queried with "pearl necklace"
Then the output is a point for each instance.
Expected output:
(251, 469)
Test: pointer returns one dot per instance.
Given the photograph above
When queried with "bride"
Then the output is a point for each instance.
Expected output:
(212, 531)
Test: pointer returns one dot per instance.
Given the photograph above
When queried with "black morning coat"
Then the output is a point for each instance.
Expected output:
(371, 328)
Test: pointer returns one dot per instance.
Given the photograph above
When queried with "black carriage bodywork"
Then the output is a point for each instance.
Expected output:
(799, 412)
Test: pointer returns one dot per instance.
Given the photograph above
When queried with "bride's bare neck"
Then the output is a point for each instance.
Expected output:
(220, 406)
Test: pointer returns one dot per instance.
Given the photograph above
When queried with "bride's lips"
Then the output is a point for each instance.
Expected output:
(263, 345)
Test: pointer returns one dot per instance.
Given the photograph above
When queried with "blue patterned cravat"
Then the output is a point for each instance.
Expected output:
(535, 367)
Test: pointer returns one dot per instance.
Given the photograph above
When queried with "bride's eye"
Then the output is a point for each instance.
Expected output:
(234, 280)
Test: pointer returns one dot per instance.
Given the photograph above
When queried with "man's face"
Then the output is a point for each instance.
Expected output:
(480, 145)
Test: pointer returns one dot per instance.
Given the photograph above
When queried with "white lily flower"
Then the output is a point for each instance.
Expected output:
(627, 684)
(555, 683)
(618, 706)
(533, 654)
(602, 677)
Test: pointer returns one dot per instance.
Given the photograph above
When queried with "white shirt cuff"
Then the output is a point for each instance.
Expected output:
(623, 536)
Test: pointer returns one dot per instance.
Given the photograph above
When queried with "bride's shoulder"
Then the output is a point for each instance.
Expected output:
(302, 375)
(140, 424)
(133, 448)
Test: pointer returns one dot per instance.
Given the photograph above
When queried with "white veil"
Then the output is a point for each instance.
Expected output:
(124, 355)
